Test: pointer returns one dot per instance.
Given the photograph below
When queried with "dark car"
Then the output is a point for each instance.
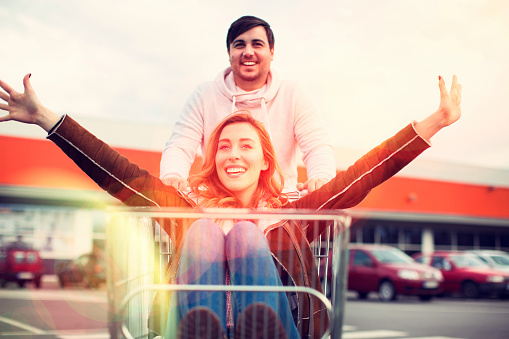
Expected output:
(465, 273)
(390, 272)
(20, 264)
(88, 269)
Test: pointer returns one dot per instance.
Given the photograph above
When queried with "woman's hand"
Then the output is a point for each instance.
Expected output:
(448, 112)
(25, 107)
(449, 101)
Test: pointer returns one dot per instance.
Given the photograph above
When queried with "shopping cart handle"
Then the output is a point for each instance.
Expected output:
(177, 287)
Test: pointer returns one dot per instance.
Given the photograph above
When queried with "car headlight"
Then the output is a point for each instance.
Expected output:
(408, 274)
(438, 275)
(495, 278)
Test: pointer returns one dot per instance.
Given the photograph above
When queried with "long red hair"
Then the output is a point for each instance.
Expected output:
(212, 193)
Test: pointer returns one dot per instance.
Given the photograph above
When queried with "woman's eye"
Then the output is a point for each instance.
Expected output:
(247, 146)
(223, 147)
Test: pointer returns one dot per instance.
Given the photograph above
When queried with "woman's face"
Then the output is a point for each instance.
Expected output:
(239, 160)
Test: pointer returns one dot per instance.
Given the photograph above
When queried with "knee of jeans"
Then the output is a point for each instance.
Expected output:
(203, 238)
(245, 237)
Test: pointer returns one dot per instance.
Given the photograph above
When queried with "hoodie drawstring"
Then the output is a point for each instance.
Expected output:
(234, 101)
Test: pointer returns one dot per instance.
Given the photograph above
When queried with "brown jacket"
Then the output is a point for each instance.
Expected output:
(288, 240)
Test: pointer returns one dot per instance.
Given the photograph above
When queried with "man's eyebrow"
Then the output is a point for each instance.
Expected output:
(254, 40)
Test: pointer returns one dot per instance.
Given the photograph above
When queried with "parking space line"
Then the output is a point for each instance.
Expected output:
(21, 325)
(373, 334)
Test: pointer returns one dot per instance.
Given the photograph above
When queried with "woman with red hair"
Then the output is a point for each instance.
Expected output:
(239, 170)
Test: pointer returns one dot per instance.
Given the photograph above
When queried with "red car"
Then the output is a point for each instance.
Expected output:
(389, 271)
(465, 273)
(20, 264)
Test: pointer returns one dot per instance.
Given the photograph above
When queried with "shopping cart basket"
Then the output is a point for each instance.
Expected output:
(138, 251)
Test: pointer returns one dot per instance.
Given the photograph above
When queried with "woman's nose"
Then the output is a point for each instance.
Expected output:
(234, 155)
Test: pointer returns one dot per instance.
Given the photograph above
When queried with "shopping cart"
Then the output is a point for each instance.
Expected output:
(138, 251)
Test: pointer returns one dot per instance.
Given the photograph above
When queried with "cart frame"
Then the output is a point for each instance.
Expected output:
(132, 284)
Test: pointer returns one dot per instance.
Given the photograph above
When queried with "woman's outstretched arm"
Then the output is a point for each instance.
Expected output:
(351, 186)
(114, 173)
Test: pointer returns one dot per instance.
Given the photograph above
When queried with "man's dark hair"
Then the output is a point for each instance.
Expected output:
(244, 24)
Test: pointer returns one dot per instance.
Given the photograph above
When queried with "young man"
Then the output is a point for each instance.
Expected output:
(250, 84)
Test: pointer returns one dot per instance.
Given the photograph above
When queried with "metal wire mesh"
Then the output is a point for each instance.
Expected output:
(139, 250)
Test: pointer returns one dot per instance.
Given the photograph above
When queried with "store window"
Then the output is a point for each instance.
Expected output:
(413, 236)
(504, 242)
(368, 235)
(442, 238)
(487, 240)
(465, 240)
(388, 234)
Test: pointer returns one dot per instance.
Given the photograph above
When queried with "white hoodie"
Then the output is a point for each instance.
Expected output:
(281, 106)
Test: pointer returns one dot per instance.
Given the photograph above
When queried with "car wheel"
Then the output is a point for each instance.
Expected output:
(386, 291)
(37, 282)
(61, 281)
(425, 297)
(362, 295)
(21, 283)
(470, 289)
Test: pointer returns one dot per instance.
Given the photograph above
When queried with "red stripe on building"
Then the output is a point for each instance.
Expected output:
(39, 163)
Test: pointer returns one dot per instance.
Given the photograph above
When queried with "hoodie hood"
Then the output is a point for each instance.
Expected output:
(254, 101)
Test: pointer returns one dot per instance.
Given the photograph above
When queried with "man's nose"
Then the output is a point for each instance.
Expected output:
(248, 51)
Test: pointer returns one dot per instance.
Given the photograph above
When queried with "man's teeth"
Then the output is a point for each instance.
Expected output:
(249, 63)
(235, 170)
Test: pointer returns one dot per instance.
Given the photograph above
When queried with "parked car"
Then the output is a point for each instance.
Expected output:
(465, 273)
(20, 264)
(498, 260)
(87, 268)
(389, 272)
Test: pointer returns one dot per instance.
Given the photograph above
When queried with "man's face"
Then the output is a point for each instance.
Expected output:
(250, 58)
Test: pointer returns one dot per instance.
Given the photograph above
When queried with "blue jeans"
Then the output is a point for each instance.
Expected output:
(206, 255)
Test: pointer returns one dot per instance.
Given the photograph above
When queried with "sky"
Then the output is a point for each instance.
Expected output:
(371, 66)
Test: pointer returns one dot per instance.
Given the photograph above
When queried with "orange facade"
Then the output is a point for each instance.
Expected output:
(39, 163)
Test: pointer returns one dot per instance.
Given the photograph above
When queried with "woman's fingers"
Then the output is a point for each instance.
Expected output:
(4, 96)
(26, 83)
(6, 87)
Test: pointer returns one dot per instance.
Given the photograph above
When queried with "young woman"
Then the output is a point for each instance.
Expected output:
(239, 170)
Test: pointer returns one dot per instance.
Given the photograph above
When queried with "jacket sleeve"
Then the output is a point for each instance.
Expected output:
(113, 172)
(349, 187)
(317, 151)
(180, 149)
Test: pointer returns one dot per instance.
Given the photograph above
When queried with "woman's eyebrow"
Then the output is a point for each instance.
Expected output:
(241, 139)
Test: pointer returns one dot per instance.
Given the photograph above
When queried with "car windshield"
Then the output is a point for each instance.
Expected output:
(392, 256)
(502, 260)
(467, 260)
